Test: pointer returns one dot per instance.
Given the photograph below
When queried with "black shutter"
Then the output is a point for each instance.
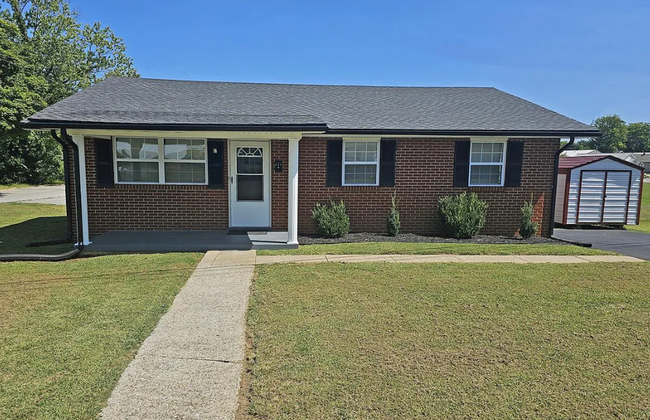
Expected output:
(514, 158)
(215, 163)
(387, 156)
(334, 163)
(104, 163)
(461, 163)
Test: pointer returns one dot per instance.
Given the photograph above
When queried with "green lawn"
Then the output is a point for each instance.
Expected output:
(384, 341)
(436, 248)
(11, 186)
(22, 223)
(644, 220)
(70, 328)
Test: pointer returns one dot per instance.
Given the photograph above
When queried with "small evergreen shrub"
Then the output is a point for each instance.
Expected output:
(528, 228)
(331, 219)
(393, 223)
(462, 216)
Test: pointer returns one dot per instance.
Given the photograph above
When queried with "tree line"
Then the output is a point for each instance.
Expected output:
(46, 55)
(617, 136)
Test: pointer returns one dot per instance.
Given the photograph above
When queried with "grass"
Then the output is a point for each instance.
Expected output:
(11, 186)
(22, 223)
(436, 248)
(69, 329)
(644, 219)
(344, 341)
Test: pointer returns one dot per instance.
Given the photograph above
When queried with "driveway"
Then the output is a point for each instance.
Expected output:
(634, 244)
(44, 194)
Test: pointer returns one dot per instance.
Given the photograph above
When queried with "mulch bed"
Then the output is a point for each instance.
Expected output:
(411, 237)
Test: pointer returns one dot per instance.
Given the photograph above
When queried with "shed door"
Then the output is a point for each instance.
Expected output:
(617, 196)
(604, 196)
(591, 196)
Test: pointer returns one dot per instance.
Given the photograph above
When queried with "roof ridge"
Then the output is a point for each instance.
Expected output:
(155, 79)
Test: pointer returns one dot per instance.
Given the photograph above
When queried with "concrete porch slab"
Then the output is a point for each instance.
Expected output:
(186, 241)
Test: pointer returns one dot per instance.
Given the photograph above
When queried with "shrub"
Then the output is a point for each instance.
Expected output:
(393, 223)
(462, 216)
(331, 220)
(528, 228)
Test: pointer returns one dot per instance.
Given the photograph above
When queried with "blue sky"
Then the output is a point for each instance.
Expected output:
(583, 58)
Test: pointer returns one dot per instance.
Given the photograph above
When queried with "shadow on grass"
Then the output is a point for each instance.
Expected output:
(14, 238)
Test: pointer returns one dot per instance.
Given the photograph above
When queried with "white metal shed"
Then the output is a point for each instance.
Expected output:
(598, 190)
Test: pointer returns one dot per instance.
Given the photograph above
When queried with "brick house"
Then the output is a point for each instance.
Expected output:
(185, 155)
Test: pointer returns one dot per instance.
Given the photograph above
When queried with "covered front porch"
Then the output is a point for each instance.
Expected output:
(187, 241)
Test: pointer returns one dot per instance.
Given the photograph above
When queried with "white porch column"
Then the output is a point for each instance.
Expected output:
(292, 225)
(79, 141)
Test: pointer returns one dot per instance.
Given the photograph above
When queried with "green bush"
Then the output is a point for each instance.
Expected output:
(393, 223)
(528, 228)
(331, 220)
(462, 216)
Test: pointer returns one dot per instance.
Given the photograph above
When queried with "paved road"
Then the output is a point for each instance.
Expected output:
(46, 194)
(634, 244)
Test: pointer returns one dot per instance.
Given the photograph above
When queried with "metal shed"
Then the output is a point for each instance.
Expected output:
(598, 190)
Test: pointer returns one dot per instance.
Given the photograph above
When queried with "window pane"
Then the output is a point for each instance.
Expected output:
(249, 165)
(136, 148)
(360, 174)
(250, 187)
(191, 173)
(184, 149)
(487, 152)
(360, 151)
(137, 171)
(485, 175)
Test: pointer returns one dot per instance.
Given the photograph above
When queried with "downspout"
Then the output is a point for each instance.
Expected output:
(555, 173)
(79, 246)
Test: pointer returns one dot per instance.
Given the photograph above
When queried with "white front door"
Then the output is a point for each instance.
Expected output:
(250, 192)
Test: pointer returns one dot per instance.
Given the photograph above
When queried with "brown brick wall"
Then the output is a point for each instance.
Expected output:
(423, 174)
(154, 207)
(279, 185)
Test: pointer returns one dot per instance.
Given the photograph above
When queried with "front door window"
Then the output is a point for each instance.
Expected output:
(250, 174)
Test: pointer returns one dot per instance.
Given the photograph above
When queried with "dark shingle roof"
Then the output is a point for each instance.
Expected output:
(162, 103)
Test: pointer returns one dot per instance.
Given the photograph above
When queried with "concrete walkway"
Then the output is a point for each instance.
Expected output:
(519, 259)
(43, 194)
(190, 366)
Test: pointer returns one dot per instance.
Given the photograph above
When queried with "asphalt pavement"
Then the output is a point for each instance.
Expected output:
(43, 194)
(633, 244)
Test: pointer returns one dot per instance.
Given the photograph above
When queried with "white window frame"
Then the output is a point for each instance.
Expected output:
(161, 160)
(344, 163)
(502, 163)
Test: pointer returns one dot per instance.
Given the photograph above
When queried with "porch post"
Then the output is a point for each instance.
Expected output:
(292, 225)
(79, 140)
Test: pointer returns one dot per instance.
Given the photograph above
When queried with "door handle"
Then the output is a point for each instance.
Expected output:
(232, 179)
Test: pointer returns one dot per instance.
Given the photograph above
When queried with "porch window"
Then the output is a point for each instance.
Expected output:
(361, 162)
(184, 161)
(137, 160)
(486, 164)
(160, 161)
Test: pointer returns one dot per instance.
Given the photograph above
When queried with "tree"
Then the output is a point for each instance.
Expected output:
(45, 56)
(638, 137)
(614, 134)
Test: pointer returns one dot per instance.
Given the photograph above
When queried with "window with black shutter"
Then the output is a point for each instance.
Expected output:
(104, 163)
(334, 163)
(215, 163)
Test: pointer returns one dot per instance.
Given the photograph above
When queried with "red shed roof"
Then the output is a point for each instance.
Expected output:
(572, 162)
